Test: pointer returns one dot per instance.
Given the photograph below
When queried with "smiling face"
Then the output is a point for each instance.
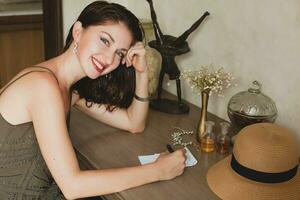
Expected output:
(101, 48)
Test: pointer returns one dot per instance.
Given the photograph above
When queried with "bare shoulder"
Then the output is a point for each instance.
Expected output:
(44, 88)
(37, 85)
(43, 82)
(27, 92)
(30, 79)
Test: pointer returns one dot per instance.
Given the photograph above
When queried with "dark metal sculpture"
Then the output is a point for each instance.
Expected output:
(169, 47)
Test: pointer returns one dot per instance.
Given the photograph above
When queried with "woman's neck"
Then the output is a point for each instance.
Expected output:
(66, 68)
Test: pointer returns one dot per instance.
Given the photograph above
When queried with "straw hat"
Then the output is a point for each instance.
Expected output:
(263, 165)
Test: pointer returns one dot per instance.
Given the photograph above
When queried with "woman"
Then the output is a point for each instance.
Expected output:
(103, 72)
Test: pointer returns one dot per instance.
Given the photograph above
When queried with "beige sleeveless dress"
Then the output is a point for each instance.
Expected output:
(23, 171)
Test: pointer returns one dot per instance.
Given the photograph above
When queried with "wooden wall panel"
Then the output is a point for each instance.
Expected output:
(19, 49)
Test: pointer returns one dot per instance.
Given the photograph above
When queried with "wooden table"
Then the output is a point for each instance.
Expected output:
(104, 147)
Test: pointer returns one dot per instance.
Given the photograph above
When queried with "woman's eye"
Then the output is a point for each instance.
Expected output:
(121, 55)
(105, 41)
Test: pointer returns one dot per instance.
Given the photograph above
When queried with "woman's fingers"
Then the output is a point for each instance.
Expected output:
(123, 61)
(136, 55)
(171, 164)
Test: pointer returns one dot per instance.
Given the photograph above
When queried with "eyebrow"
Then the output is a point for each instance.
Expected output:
(112, 39)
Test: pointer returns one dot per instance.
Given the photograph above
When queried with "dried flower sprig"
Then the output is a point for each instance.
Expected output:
(177, 136)
(208, 80)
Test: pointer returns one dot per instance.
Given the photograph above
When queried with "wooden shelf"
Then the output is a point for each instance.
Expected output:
(21, 22)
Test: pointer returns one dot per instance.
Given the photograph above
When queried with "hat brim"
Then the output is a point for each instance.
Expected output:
(229, 185)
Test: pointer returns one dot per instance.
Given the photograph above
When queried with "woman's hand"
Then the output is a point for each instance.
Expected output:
(171, 164)
(136, 57)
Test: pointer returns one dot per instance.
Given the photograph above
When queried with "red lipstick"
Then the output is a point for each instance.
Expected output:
(97, 65)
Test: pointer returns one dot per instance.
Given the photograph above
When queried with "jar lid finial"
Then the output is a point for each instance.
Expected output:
(255, 88)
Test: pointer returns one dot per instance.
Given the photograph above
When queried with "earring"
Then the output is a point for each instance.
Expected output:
(107, 76)
(75, 48)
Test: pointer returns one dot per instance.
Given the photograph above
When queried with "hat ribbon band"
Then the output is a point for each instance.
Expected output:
(263, 177)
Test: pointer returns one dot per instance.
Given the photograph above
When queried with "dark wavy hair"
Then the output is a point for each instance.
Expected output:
(117, 88)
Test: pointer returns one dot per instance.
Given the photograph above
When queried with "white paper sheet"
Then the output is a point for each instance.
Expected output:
(190, 159)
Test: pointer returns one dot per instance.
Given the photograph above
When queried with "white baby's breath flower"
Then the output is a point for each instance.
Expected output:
(206, 80)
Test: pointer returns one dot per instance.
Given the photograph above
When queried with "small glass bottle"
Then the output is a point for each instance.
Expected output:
(208, 139)
(223, 140)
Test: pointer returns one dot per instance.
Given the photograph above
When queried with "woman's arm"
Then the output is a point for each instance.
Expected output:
(132, 119)
(47, 111)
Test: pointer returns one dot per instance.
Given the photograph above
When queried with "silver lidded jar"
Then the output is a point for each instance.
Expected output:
(250, 107)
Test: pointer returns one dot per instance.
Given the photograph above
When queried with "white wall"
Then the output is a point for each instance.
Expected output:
(72, 9)
(255, 40)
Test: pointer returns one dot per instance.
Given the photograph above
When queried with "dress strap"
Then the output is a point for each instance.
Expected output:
(51, 72)
(47, 70)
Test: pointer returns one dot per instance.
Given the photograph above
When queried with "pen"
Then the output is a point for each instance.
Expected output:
(170, 149)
